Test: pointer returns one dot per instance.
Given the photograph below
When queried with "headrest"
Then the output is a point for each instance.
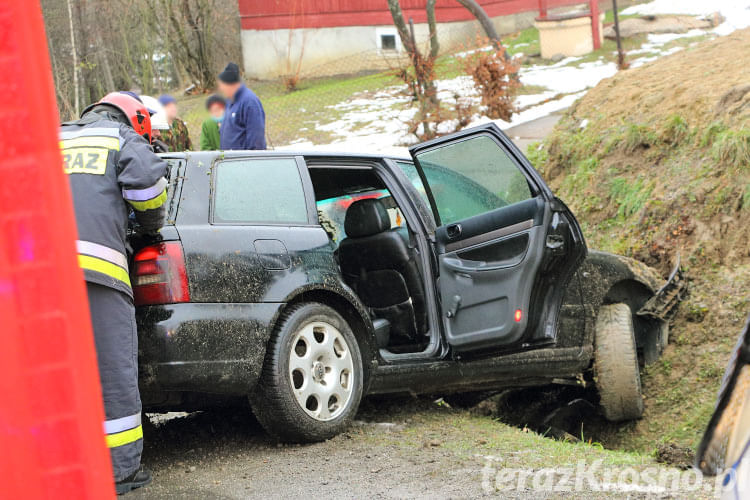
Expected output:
(365, 218)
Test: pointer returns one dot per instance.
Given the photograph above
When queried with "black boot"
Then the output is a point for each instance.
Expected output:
(139, 478)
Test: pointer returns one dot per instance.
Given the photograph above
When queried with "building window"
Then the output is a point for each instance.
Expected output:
(387, 39)
(387, 42)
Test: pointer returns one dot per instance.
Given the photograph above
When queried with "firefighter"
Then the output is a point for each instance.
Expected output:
(112, 168)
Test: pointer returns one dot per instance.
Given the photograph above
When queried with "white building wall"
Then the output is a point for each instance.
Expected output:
(270, 54)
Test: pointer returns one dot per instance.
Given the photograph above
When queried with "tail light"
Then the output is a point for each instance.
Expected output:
(159, 275)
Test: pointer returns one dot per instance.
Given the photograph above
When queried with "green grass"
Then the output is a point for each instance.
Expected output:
(732, 148)
(638, 136)
(675, 130)
(287, 113)
(470, 436)
(709, 134)
(580, 178)
(537, 154)
(629, 195)
(525, 41)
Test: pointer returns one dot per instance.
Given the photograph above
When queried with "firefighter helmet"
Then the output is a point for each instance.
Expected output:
(133, 108)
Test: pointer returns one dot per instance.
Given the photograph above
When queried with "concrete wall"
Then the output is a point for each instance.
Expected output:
(567, 37)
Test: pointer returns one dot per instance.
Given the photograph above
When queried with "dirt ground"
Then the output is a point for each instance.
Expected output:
(231, 457)
(398, 448)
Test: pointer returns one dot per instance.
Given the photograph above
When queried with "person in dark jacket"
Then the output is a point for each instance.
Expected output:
(112, 169)
(245, 124)
(210, 140)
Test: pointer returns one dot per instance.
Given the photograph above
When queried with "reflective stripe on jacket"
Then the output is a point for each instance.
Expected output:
(109, 167)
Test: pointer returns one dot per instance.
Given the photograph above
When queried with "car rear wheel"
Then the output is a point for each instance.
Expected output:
(312, 378)
(616, 370)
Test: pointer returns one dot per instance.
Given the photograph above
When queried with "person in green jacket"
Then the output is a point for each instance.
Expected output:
(216, 107)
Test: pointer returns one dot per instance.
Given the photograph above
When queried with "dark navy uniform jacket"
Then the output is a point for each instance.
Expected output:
(244, 125)
(110, 167)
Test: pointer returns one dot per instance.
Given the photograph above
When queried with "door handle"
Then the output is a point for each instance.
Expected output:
(453, 231)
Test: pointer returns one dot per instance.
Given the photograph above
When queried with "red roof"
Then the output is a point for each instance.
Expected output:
(289, 14)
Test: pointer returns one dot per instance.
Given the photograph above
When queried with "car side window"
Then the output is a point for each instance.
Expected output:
(333, 211)
(260, 190)
(411, 172)
(471, 177)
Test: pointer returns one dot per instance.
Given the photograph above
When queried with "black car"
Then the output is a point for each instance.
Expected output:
(306, 281)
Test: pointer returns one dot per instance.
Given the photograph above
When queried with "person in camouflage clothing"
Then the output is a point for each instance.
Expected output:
(177, 137)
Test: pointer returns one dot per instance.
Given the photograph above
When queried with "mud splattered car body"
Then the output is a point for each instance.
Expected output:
(242, 275)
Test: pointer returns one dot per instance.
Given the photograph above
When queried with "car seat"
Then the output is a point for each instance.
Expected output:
(378, 264)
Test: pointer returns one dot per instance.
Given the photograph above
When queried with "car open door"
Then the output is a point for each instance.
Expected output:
(506, 247)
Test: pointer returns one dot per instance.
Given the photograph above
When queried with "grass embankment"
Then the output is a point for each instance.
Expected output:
(656, 163)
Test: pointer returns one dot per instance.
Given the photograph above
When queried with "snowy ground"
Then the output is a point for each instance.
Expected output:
(376, 123)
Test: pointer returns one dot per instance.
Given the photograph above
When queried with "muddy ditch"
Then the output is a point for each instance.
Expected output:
(564, 413)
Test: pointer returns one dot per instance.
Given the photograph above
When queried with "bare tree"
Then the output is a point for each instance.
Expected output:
(186, 28)
(98, 46)
(422, 66)
(76, 93)
(484, 20)
(420, 76)
(486, 23)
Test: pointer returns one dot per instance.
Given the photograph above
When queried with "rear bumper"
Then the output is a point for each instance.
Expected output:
(202, 347)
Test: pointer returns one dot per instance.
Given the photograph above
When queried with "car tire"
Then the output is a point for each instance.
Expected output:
(616, 370)
(312, 378)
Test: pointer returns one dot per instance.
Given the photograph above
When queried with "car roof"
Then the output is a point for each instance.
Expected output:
(274, 153)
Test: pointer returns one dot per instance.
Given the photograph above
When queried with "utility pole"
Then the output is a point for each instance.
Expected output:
(621, 64)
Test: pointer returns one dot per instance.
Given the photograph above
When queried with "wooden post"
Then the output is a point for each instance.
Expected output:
(594, 7)
(542, 9)
(621, 64)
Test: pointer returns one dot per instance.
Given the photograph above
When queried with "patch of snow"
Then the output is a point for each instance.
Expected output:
(532, 113)
(656, 39)
(564, 78)
(736, 12)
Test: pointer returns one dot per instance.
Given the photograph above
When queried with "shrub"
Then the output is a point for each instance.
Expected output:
(496, 79)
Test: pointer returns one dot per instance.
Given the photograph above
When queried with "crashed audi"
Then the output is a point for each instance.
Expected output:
(304, 281)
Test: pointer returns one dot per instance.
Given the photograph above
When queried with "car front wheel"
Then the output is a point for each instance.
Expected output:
(616, 370)
(312, 378)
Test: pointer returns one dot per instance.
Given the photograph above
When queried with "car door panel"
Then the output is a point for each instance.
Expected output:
(492, 225)
(500, 244)
(485, 295)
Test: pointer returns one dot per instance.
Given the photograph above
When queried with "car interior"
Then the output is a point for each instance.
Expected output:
(376, 252)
